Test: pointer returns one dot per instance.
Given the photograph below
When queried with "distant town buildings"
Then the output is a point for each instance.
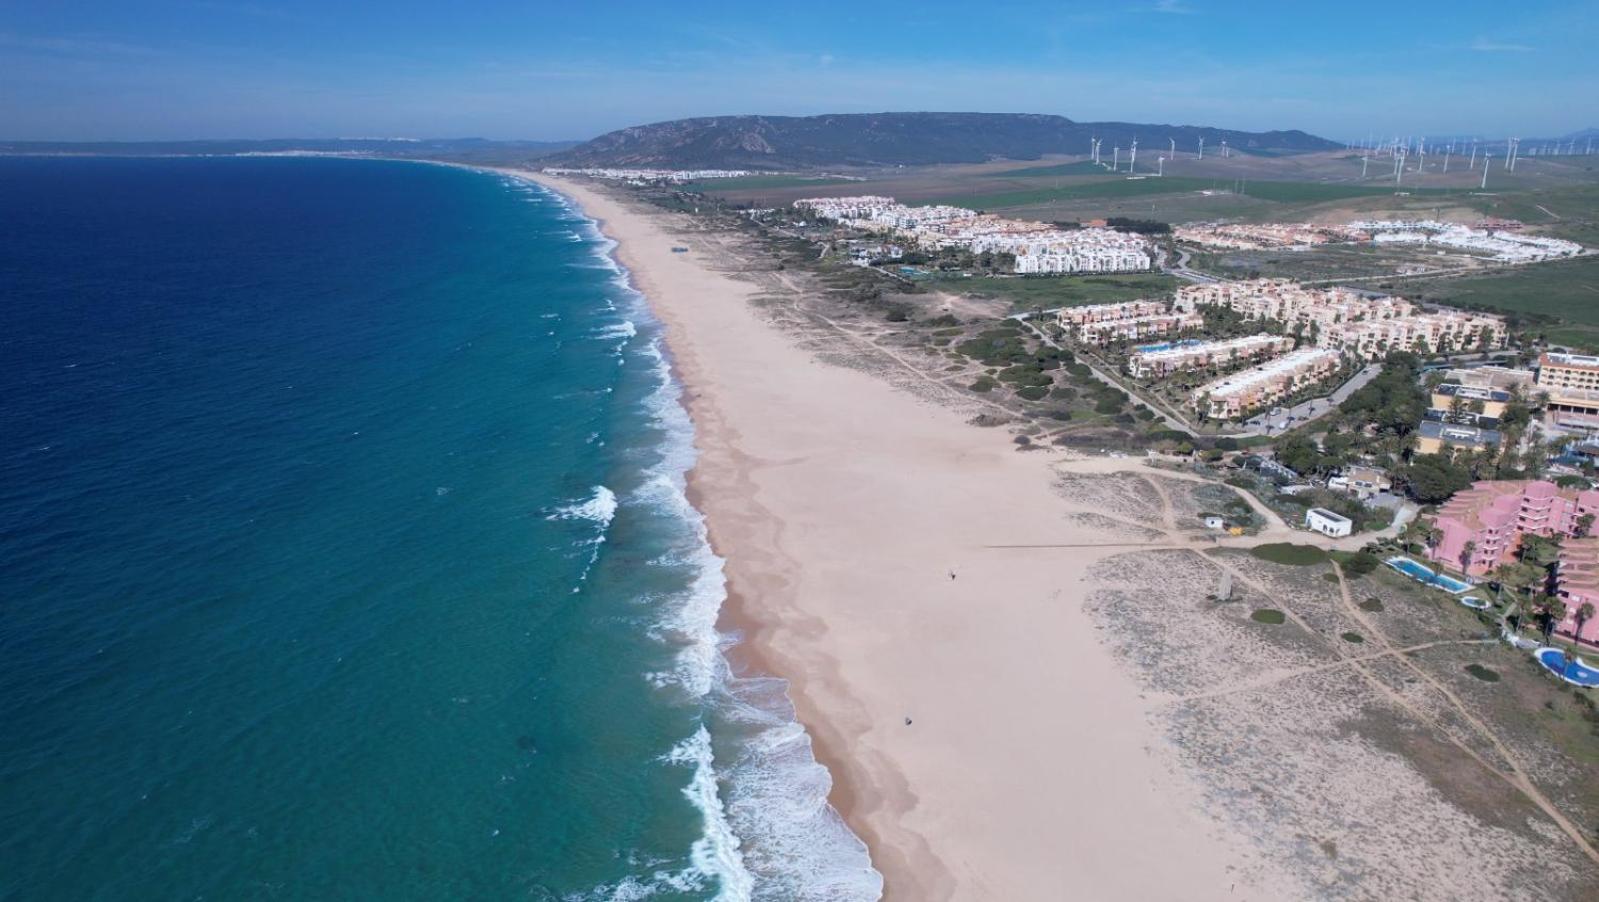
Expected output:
(1240, 236)
(1145, 364)
(1481, 527)
(1037, 247)
(1238, 394)
(1499, 244)
(647, 176)
(1500, 240)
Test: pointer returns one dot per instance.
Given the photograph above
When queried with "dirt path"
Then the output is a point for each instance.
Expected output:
(1517, 774)
(1512, 773)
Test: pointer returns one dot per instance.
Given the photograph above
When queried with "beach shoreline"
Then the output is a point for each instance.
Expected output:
(981, 741)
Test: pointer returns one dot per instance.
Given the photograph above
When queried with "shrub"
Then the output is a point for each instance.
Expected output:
(1268, 615)
(1289, 553)
(1032, 393)
(1355, 638)
(983, 383)
(1374, 605)
(1357, 563)
(1482, 673)
(1063, 393)
(1108, 406)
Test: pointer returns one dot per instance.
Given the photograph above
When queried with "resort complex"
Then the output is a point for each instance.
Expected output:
(650, 176)
(1501, 245)
(1038, 248)
(1155, 362)
(1132, 328)
(1480, 527)
(1245, 236)
(1498, 241)
(1236, 395)
(1365, 327)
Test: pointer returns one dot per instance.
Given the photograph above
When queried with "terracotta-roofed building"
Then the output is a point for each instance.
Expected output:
(1577, 583)
(1492, 516)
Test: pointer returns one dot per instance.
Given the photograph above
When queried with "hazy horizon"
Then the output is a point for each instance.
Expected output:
(163, 70)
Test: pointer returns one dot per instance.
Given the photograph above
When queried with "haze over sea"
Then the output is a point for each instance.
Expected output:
(344, 554)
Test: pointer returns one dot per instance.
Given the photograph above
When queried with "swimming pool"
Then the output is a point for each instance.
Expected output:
(1475, 603)
(1579, 673)
(1424, 574)
(1167, 345)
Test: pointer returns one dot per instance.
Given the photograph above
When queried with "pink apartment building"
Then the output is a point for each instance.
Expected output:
(1493, 516)
(1577, 583)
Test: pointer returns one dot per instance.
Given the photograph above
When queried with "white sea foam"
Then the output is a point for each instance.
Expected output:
(600, 509)
(769, 832)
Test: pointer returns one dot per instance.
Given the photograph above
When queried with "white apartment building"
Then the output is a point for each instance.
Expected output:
(1339, 318)
(1238, 394)
(1093, 313)
(1103, 332)
(1037, 247)
(1228, 353)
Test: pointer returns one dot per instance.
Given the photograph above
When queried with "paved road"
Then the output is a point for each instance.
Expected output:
(1314, 409)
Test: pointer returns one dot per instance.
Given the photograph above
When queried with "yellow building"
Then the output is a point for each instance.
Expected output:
(1557, 371)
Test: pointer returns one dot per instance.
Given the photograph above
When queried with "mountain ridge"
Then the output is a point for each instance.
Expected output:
(905, 139)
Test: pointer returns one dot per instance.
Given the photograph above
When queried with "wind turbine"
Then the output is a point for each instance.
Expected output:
(1485, 158)
(1473, 156)
(1363, 162)
(1174, 147)
(1160, 167)
(1132, 162)
(1116, 157)
(1201, 147)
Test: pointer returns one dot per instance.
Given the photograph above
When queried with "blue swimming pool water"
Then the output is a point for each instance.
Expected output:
(1424, 574)
(1579, 672)
(1167, 345)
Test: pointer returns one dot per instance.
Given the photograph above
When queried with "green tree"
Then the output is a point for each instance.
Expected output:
(1583, 614)
(1432, 478)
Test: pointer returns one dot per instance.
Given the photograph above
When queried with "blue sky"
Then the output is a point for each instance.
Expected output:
(164, 69)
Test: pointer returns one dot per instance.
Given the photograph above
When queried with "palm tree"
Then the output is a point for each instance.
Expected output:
(1551, 610)
(1466, 552)
(1583, 615)
(1584, 525)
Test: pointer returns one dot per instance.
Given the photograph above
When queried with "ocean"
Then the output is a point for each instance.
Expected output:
(344, 554)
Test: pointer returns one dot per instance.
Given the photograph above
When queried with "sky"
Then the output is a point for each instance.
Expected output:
(176, 69)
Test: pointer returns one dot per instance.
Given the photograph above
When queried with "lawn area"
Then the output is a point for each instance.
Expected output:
(1028, 293)
(1288, 553)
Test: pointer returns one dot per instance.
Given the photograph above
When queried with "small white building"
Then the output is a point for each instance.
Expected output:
(1328, 523)
(1213, 521)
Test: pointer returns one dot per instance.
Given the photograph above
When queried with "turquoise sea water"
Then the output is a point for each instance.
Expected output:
(344, 554)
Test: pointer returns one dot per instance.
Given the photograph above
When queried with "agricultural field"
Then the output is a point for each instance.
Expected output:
(1567, 292)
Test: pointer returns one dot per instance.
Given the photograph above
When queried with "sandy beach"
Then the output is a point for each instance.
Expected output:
(982, 740)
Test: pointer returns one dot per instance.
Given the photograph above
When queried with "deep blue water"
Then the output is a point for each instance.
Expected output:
(343, 554)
